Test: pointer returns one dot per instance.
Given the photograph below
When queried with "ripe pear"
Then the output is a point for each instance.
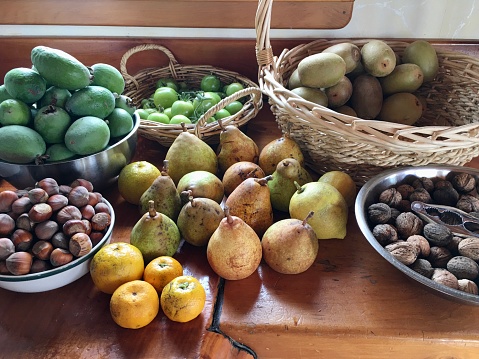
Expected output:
(328, 204)
(234, 147)
(282, 185)
(163, 192)
(234, 250)
(290, 246)
(155, 235)
(277, 150)
(198, 219)
(251, 201)
(189, 153)
(238, 172)
(202, 184)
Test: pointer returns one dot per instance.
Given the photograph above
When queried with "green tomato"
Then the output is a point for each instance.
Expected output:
(202, 103)
(211, 119)
(167, 112)
(167, 82)
(177, 119)
(222, 114)
(234, 107)
(164, 97)
(233, 87)
(142, 113)
(182, 107)
(210, 83)
(214, 95)
(158, 117)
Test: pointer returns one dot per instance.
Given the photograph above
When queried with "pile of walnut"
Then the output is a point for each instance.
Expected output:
(49, 225)
(430, 249)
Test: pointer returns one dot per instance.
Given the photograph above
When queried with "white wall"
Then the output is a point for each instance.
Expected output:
(433, 19)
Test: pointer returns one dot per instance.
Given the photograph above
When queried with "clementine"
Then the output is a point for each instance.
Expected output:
(162, 270)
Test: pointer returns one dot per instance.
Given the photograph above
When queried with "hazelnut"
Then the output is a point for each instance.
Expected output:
(46, 230)
(40, 212)
(67, 213)
(437, 234)
(80, 244)
(96, 237)
(22, 240)
(87, 211)
(49, 185)
(24, 222)
(6, 200)
(100, 221)
(64, 189)
(39, 265)
(469, 247)
(443, 276)
(423, 267)
(404, 252)
(60, 240)
(37, 195)
(463, 267)
(82, 182)
(94, 198)
(19, 263)
(74, 226)
(21, 205)
(57, 201)
(439, 256)
(78, 196)
(408, 224)
(3, 268)
(101, 207)
(7, 225)
(42, 250)
(60, 256)
(6, 248)
(468, 286)
(421, 244)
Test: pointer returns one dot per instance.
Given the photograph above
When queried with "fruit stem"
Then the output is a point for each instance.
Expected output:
(183, 127)
(151, 208)
(252, 172)
(229, 219)
(305, 221)
(164, 171)
(298, 187)
(263, 181)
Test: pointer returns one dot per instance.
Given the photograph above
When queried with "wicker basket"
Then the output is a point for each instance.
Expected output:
(448, 132)
(143, 84)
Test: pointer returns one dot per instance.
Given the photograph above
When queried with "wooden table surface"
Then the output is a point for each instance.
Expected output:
(350, 304)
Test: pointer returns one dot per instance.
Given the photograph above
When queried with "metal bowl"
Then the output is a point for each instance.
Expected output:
(59, 276)
(369, 194)
(101, 169)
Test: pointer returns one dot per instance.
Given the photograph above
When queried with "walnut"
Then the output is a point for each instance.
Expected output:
(463, 182)
(405, 190)
(390, 196)
(404, 205)
(468, 286)
(443, 276)
(404, 252)
(421, 195)
(408, 224)
(424, 182)
(452, 246)
(468, 203)
(437, 234)
(421, 243)
(463, 267)
(446, 196)
(469, 247)
(385, 234)
(442, 184)
(439, 256)
(423, 267)
(379, 213)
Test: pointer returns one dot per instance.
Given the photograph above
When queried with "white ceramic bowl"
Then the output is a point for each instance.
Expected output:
(59, 276)
(369, 194)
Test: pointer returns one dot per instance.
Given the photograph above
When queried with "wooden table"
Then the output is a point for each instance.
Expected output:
(350, 304)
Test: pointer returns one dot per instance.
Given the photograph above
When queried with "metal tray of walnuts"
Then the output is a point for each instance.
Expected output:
(446, 264)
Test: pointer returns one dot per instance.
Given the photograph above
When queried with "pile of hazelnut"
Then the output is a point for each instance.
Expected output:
(49, 225)
(429, 248)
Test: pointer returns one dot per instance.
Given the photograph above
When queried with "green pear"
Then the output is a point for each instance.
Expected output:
(234, 147)
(234, 250)
(251, 201)
(328, 204)
(189, 153)
(282, 185)
(290, 246)
(202, 184)
(163, 192)
(198, 219)
(155, 235)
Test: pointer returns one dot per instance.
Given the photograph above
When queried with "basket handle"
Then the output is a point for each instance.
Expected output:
(145, 47)
(255, 91)
(264, 51)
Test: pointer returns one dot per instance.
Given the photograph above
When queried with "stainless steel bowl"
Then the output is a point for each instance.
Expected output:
(369, 194)
(102, 168)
